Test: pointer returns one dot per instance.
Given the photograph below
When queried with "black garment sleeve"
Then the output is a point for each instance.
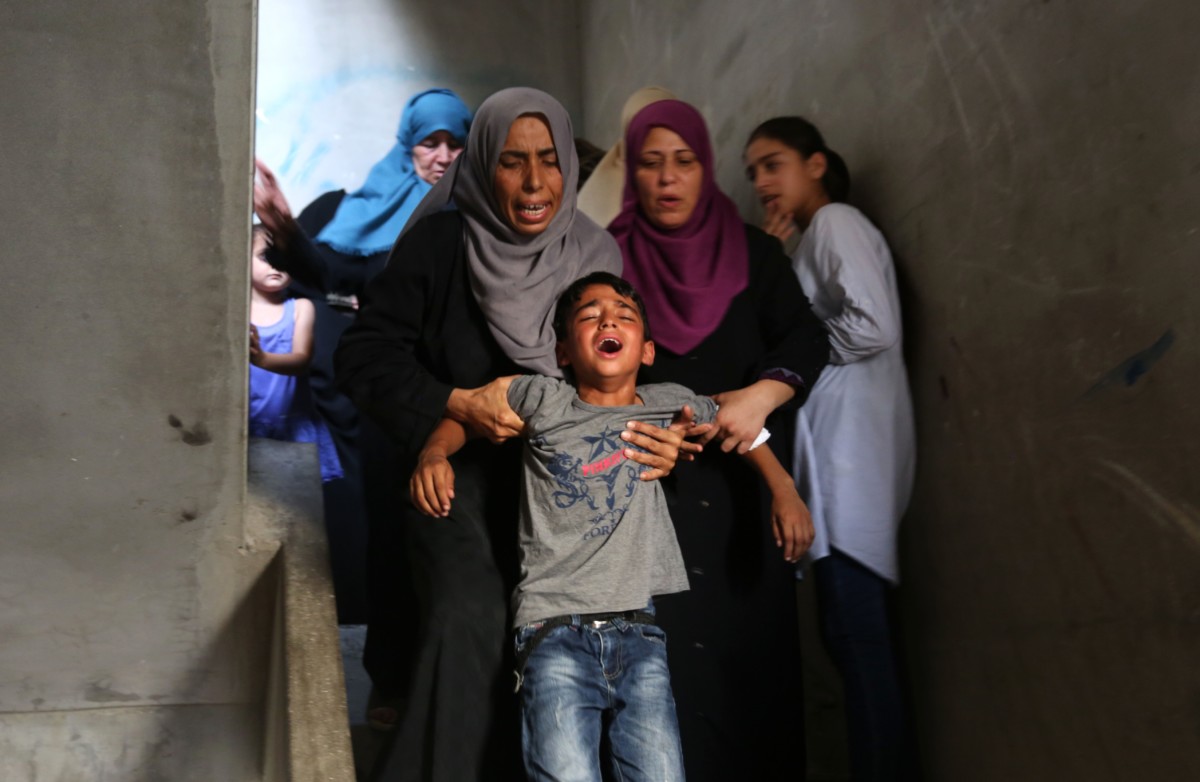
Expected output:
(381, 362)
(301, 258)
(796, 339)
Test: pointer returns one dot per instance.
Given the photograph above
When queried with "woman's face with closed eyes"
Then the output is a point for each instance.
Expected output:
(528, 185)
(433, 155)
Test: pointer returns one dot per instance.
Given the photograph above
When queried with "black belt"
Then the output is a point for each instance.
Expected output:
(595, 620)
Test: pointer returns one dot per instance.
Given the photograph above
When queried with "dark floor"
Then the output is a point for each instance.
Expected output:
(366, 742)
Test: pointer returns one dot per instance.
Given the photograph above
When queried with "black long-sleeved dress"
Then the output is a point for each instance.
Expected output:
(362, 575)
(733, 640)
(318, 270)
(420, 334)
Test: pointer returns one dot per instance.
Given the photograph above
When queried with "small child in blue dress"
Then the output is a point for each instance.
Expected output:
(596, 545)
(281, 348)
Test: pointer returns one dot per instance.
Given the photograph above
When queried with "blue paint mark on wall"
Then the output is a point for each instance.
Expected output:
(319, 151)
(304, 110)
(1131, 369)
(325, 131)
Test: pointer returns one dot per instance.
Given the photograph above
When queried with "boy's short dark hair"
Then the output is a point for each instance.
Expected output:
(570, 297)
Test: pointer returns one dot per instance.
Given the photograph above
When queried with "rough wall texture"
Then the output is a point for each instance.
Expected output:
(132, 635)
(124, 573)
(333, 78)
(1034, 163)
(1036, 166)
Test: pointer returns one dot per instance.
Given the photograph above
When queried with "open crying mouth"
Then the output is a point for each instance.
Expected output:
(609, 345)
(533, 209)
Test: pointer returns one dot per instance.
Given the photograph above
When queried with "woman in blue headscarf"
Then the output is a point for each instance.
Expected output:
(432, 131)
(332, 250)
(355, 231)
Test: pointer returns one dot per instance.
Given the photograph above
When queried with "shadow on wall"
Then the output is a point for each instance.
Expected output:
(124, 737)
(278, 650)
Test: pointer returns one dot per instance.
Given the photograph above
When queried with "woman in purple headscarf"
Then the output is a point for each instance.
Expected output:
(729, 320)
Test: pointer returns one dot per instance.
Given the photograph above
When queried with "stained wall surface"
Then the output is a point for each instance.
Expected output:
(1036, 167)
(127, 628)
(333, 78)
(133, 621)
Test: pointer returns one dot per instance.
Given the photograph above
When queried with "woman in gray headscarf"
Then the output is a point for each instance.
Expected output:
(466, 303)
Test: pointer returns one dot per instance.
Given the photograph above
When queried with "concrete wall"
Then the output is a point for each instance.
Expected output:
(128, 623)
(333, 78)
(1035, 165)
(134, 614)
(307, 732)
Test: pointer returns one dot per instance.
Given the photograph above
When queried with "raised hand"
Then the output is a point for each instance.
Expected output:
(271, 206)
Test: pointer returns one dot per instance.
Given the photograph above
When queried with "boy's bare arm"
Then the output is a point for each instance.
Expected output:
(790, 520)
(432, 484)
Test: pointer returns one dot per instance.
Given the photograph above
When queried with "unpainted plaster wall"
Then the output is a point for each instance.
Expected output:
(1036, 166)
(128, 637)
(133, 629)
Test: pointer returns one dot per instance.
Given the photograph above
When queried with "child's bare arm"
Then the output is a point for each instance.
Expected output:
(296, 362)
(432, 485)
(790, 519)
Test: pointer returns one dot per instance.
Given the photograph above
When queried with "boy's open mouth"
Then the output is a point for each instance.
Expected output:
(609, 345)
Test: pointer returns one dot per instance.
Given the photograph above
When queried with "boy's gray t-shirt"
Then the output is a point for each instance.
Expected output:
(593, 536)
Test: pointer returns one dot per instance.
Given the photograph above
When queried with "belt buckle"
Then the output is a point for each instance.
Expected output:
(598, 623)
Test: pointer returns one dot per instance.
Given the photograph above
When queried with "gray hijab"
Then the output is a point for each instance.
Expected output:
(515, 278)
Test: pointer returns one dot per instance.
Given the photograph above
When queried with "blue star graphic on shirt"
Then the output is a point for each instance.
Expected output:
(608, 440)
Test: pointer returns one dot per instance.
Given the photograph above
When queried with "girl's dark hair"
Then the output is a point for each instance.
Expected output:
(570, 297)
(803, 136)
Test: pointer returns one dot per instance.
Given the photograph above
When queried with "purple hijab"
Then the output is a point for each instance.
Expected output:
(687, 276)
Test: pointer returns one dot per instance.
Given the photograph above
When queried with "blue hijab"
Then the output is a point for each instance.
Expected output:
(369, 219)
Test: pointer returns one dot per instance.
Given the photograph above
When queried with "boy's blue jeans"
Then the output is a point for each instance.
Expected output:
(586, 680)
